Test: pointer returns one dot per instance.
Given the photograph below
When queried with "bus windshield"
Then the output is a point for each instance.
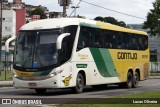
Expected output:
(36, 49)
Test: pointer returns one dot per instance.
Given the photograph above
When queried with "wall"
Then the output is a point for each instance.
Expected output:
(8, 22)
(20, 18)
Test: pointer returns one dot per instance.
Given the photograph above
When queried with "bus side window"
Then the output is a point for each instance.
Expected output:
(140, 43)
(145, 43)
(84, 38)
(98, 38)
(108, 39)
(119, 40)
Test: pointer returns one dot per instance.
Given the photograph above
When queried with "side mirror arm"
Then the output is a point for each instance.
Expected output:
(60, 39)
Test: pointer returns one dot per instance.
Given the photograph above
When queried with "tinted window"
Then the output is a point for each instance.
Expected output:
(109, 39)
(67, 43)
(85, 38)
(100, 38)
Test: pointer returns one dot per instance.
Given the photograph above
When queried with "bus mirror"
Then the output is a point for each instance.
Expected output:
(60, 39)
(8, 41)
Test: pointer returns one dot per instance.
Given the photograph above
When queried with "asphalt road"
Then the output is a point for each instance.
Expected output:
(111, 90)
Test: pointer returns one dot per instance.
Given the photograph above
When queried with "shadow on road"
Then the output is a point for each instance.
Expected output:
(58, 92)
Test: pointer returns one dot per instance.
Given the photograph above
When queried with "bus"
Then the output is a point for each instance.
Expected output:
(74, 53)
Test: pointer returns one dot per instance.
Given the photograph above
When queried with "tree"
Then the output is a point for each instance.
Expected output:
(99, 18)
(122, 23)
(27, 21)
(39, 11)
(111, 20)
(153, 19)
(29, 12)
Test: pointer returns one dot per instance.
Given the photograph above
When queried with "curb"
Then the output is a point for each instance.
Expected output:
(154, 77)
(6, 85)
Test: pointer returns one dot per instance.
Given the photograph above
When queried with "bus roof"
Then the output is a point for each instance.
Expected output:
(61, 22)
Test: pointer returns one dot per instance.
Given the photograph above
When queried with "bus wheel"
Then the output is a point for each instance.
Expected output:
(40, 90)
(129, 80)
(79, 84)
(135, 80)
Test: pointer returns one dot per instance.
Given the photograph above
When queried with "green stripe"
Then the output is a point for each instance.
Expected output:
(89, 25)
(42, 73)
(81, 65)
(104, 62)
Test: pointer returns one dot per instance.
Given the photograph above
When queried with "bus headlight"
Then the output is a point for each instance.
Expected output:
(15, 75)
(55, 73)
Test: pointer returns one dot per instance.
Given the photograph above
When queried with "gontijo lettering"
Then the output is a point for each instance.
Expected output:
(126, 55)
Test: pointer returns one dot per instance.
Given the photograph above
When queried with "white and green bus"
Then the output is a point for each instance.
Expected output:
(74, 52)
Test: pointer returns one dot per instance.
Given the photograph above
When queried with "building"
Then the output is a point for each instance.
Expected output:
(154, 48)
(19, 4)
(8, 29)
(16, 4)
(17, 1)
(137, 27)
(8, 22)
(20, 18)
(35, 17)
(55, 14)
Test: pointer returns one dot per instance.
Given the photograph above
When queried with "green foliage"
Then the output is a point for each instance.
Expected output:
(8, 75)
(111, 20)
(27, 21)
(153, 19)
(5, 38)
(99, 18)
(39, 11)
(29, 12)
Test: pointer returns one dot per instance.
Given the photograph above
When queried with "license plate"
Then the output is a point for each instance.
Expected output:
(32, 84)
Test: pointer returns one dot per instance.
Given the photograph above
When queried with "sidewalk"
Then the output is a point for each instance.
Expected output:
(6, 83)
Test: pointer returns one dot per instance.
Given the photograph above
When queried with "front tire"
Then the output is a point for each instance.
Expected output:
(79, 84)
(40, 91)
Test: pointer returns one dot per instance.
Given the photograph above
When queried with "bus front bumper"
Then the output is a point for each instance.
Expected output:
(46, 83)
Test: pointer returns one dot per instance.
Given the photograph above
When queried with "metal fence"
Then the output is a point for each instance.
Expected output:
(155, 68)
(6, 67)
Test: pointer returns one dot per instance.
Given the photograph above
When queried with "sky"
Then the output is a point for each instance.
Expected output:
(138, 8)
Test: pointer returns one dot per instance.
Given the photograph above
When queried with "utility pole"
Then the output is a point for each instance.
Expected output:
(65, 4)
(75, 8)
(0, 30)
(64, 8)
